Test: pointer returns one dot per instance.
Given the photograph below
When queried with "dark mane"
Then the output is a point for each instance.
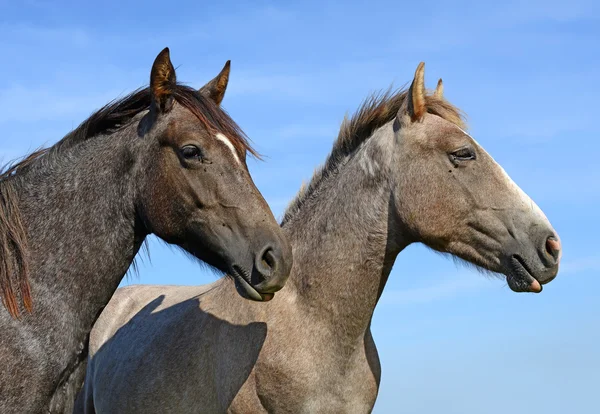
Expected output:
(375, 111)
(119, 112)
(114, 115)
(13, 252)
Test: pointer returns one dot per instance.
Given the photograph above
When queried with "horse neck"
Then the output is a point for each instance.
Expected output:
(78, 209)
(345, 240)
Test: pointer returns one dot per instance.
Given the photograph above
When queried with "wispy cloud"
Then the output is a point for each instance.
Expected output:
(465, 282)
(25, 104)
(516, 12)
(325, 83)
(468, 282)
(584, 264)
(285, 85)
(34, 34)
(308, 131)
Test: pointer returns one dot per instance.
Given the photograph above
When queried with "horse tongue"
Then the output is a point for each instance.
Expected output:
(267, 296)
(523, 284)
(535, 286)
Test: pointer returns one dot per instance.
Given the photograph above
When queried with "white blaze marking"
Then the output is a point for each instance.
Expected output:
(522, 195)
(525, 199)
(227, 142)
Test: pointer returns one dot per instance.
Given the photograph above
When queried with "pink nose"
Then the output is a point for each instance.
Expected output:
(553, 248)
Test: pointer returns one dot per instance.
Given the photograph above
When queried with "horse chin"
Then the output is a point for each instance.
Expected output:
(519, 279)
(246, 290)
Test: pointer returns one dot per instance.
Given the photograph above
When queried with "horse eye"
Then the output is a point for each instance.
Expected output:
(463, 154)
(190, 152)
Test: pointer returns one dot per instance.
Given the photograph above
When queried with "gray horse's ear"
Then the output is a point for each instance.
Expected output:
(414, 105)
(215, 89)
(162, 81)
(439, 90)
(416, 94)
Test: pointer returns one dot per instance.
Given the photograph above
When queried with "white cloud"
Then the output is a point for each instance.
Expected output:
(284, 85)
(471, 282)
(26, 104)
(326, 84)
(583, 264)
(465, 282)
(28, 33)
(308, 131)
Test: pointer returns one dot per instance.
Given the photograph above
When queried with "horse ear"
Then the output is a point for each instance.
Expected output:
(439, 90)
(215, 89)
(416, 94)
(414, 105)
(162, 81)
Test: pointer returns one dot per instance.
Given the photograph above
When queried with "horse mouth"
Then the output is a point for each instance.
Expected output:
(245, 289)
(520, 278)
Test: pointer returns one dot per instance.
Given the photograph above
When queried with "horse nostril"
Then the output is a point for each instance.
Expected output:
(269, 259)
(553, 247)
(267, 262)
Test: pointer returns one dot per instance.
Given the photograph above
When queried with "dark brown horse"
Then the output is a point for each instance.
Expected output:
(165, 160)
(403, 170)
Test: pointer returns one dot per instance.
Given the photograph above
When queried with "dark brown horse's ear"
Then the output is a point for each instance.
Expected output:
(439, 90)
(162, 81)
(215, 89)
(416, 94)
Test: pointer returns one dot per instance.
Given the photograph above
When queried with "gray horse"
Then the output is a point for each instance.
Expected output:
(402, 170)
(165, 160)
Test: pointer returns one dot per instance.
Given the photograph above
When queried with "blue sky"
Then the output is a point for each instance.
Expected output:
(526, 73)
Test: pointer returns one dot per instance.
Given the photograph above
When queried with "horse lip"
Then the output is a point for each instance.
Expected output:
(520, 278)
(245, 289)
